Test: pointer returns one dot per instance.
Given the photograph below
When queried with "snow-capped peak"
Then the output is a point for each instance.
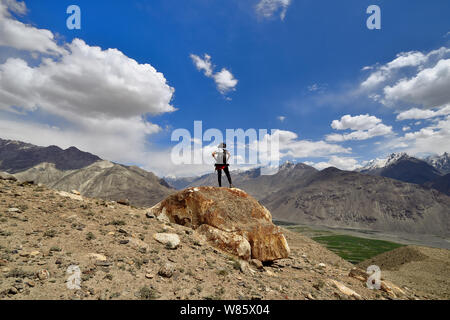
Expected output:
(440, 162)
(381, 163)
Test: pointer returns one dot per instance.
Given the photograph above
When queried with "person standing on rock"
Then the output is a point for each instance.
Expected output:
(222, 156)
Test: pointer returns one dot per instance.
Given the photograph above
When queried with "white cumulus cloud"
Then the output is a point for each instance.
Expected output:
(224, 79)
(363, 127)
(75, 94)
(417, 114)
(18, 35)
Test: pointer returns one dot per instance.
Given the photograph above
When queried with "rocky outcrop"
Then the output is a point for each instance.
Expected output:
(229, 219)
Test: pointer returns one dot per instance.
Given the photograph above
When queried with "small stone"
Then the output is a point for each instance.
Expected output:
(111, 233)
(14, 210)
(124, 241)
(167, 270)
(97, 256)
(124, 202)
(149, 276)
(256, 263)
(75, 192)
(103, 263)
(13, 291)
(169, 239)
(34, 254)
(150, 215)
(345, 290)
(321, 265)
(243, 266)
(30, 283)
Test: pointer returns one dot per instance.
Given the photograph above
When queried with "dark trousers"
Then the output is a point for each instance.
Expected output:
(219, 175)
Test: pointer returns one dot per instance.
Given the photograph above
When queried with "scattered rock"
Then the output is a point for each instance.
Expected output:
(97, 256)
(171, 240)
(150, 215)
(345, 290)
(70, 195)
(256, 263)
(138, 244)
(13, 290)
(243, 266)
(124, 202)
(166, 270)
(103, 263)
(321, 265)
(125, 241)
(75, 192)
(149, 275)
(14, 210)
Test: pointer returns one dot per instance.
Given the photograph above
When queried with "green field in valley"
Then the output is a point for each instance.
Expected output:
(355, 249)
(351, 248)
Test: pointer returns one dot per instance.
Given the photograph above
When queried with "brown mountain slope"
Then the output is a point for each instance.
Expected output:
(44, 233)
(102, 179)
(338, 198)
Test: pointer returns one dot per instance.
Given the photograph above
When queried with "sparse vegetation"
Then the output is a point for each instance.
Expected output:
(118, 223)
(146, 293)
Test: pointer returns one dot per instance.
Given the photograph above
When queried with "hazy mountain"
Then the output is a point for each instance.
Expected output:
(338, 198)
(402, 167)
(72, 169)
(259, 185)
(16, 156)
(179, 183)
(441, 163)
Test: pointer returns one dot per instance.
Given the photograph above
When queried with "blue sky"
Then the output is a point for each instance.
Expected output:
(306, 68)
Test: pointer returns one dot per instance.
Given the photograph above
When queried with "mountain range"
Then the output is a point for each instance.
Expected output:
(392, 195)
(72, 169)
(396, 194)
(430, 172)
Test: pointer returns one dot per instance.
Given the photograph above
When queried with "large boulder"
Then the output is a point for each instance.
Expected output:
(229, 219)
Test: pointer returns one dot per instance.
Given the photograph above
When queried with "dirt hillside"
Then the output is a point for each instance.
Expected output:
(427, 270)
(44, 232)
